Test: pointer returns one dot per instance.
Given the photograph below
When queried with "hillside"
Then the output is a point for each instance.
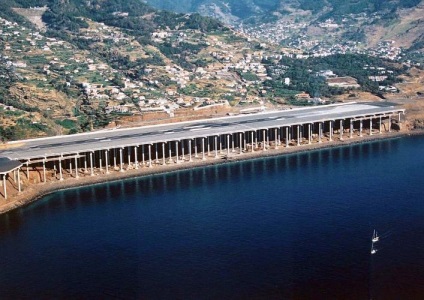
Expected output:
(74, 66)
(232, 9)
(369, 22)
(244, 9)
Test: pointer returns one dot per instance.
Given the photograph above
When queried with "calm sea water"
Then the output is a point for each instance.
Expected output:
(291, 227)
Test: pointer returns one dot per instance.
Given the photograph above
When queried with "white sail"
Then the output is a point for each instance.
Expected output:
(375, 237)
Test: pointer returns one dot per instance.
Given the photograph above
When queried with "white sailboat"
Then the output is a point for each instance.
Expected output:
(373, 250)
(375, 237)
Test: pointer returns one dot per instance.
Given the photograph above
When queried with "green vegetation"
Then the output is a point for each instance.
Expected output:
(193, 90)
(303, 74)
(68, 124)
(248, 76)
(24, 128)
(295, 102)
(11, 113)
(181, 53)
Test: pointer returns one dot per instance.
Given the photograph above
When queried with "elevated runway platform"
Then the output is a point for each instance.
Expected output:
(108, 139)
(99, 152)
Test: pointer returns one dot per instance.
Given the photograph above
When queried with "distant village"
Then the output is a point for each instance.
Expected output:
(295, 35)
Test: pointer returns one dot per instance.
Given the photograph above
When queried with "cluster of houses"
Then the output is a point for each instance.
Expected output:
(297, 35)
(273, 32)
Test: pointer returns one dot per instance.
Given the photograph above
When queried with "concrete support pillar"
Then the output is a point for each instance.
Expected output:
(361, 124)
(163, 154)
(142, 156)
(228, 144)
(121, 160)
(129, 157)
(91, 164)
(276, 138)
(287, 137)
(253, 146)
(309, 134)
(370, 125)
(241, 143)
(170, 151)
(195, 148)
(114, 159)
(19, 180)
(216, 147)
(320, 132)
(220, 144)
(298, 135)
(390, 123)
(100, 161)
(268, 138)
(290, 133)
(379, 126)
(60, 170)
(107, 161)
(256, 139)
(70, 168)
(76, 166)
(176, 151)
(150, 155)
(4, 186)
(264, 139)
(44, 170)
(301, 134)
(203, 149)
(399, 117)
(331, 130)
(341, 130)
(351, 129)
(85, 163)
(27, 167)
(189, 151)
(182, 151)
(136, 157)
(244, 142)
(156, 153)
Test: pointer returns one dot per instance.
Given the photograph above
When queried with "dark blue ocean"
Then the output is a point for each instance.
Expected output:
(291, 227)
